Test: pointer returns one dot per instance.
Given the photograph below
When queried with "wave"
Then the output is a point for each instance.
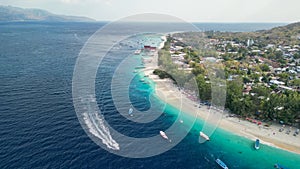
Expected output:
(97, 127)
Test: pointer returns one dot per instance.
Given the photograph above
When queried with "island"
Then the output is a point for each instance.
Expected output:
(262, 73)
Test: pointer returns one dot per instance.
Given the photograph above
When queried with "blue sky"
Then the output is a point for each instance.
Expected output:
(189, 10)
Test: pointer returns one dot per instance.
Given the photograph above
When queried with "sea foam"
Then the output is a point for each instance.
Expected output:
(97, 127)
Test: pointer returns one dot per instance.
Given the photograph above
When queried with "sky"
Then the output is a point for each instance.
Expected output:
(188, 10)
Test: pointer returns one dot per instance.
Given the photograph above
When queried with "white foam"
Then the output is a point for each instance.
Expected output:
(97, 127)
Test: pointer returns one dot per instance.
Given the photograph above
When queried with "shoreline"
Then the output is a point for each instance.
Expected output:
(166, 91)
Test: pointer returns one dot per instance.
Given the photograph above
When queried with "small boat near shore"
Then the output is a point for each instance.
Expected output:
(137, 52)
(280, 166)
(130, 111)
(203, 135)
(163, 135)
(221, 164)
(256, 145)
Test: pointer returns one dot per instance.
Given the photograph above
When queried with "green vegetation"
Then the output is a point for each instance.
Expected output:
(203, 87)
(284, 35)
(263, 104)
(161, 74)
(169, 69)
(248, 68)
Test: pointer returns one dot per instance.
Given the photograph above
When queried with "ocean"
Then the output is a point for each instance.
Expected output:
(39, 127)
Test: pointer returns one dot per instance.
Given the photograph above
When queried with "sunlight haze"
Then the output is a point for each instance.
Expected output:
(192, 11)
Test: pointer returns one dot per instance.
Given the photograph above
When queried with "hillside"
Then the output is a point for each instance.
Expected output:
(9, 13)
(283, 35)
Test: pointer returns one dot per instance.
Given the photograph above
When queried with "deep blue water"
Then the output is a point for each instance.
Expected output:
(39, 127)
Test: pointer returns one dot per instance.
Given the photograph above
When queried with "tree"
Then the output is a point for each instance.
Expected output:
(284, 76)
(296, 82)
(264, 67)
(162, 74)
(234, 95)
(204, 88)
(296, 55)
(246, 80)
(261, 91)
(198, 70)
(265, 79)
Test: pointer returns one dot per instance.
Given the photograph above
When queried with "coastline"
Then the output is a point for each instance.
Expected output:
(166, 91)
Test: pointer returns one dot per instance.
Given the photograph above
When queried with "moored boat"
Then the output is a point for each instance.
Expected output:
(163, 135)
(130, 111)
(256, 145)
(203, 135)
(221, 164)
(279, 166)
(137, 52)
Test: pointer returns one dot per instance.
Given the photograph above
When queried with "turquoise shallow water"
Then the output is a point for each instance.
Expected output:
(236, 151)
(39, 127)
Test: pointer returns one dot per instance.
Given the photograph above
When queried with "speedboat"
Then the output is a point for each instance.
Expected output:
(163, 135)
(256, 145)
(203, 135)
(221, 164)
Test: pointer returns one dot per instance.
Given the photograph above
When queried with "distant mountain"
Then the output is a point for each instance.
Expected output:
(9, 13)
(289, 34)
(282, 35)
(293, 28)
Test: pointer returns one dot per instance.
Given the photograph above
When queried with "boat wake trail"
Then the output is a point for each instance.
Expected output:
(98, 53)
(96, 126)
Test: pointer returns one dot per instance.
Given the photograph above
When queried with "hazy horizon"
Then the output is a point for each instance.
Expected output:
(214, 11)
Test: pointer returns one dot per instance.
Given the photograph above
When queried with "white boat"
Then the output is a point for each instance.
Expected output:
(204, 136)
(137, 52)
(163, 135)
(221, 164)
(130, 111)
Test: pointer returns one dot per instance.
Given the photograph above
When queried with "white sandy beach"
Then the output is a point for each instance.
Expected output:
(170, 94)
